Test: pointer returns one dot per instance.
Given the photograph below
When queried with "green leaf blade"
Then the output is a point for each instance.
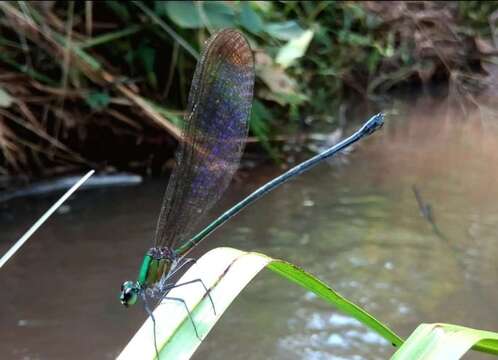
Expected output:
(446, 341)
(311, 283)
(225, 272)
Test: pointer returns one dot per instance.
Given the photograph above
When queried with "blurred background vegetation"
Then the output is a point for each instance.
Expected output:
(104, 83)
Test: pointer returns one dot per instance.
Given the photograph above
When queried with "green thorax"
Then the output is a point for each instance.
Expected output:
(156, 263)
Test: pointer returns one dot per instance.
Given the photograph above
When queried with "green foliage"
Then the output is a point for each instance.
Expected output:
(286, 30)
(196, 15)
(97, 100)
(250, 20)
(310, 56)
(121, 10)
(147, 56)
(477, 15)
(261, 120)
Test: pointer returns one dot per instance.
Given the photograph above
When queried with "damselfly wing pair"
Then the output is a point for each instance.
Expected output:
(216, 127)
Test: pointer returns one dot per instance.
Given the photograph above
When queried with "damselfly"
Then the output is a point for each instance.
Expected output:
(213, 140)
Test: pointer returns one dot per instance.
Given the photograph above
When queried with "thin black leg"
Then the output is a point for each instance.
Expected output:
(188, 312)
(208, 292)
(151, 315)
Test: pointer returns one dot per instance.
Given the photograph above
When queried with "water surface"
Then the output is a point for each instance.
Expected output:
(355, 224)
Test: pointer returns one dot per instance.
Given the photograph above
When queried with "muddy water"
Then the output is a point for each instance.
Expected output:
(355, 224)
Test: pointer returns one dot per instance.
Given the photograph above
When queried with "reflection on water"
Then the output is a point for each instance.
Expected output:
(357, 226)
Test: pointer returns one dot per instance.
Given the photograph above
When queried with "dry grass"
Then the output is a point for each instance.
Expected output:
(72, 104)
(29, 142)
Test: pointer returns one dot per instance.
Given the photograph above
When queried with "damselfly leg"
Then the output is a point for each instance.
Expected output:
(164, 287)
(207, 291)
(169, 287)
(151, 315)
(160, 293)
(188, 312)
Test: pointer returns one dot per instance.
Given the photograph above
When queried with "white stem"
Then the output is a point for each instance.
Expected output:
(43, 218)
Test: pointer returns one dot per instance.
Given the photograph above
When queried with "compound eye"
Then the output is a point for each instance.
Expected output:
(126, 285)
(128, 296)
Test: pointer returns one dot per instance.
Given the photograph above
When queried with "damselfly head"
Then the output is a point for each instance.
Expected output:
(129, 293)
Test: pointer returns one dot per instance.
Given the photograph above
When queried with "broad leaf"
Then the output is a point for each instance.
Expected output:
(294, 49)
(445, 341)
(225, 272)
(194, 15)
(287, 30)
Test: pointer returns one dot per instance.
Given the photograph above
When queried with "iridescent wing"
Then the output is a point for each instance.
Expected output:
(216, 128)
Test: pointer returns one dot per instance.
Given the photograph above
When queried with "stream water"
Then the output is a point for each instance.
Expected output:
(354, 223)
